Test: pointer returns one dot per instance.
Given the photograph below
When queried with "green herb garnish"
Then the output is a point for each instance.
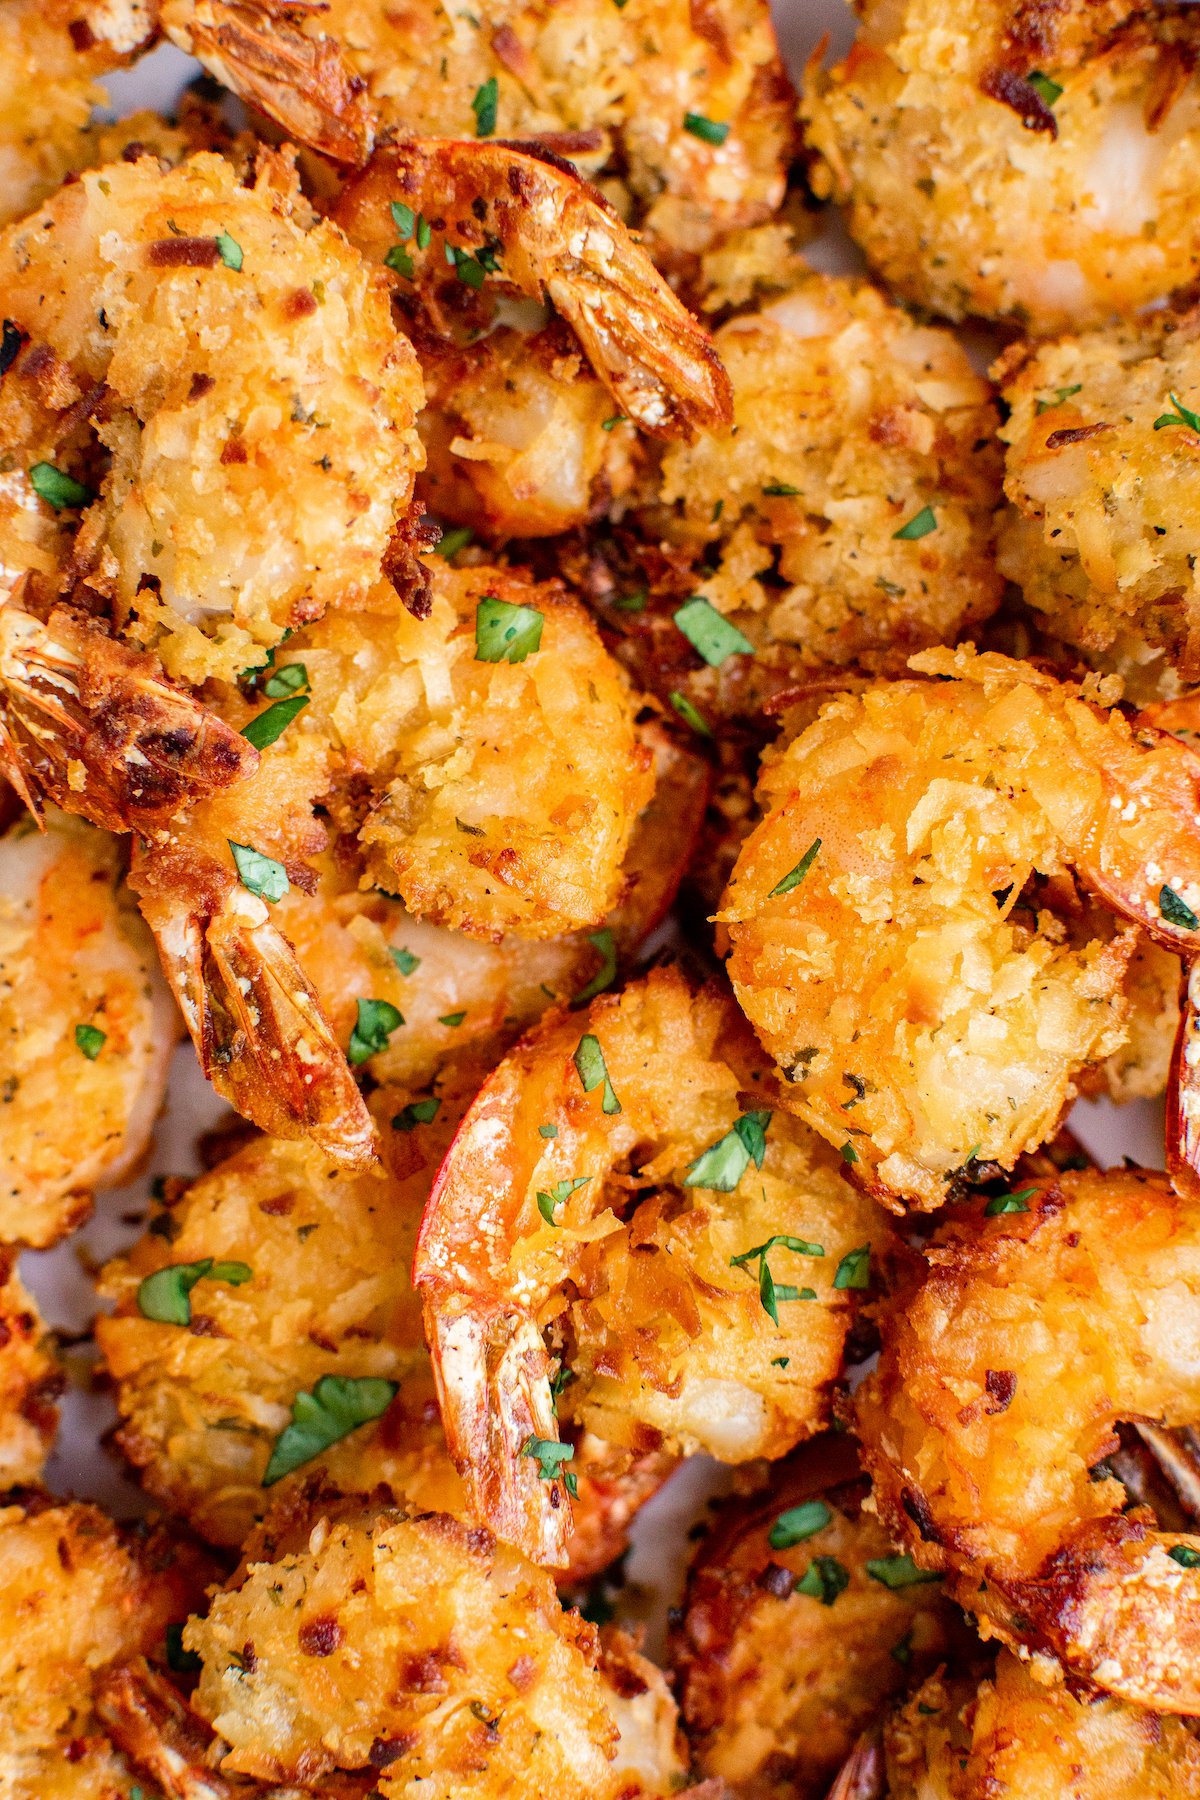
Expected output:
(259, 874)
(795, 876)
(919, 526)
(706, 129)
(898, 1572)
(709, 633)
(338, 1405)
(417, 1112)
(165, 1296)
(484, 107)
(57, 489)
(91, 1040)
(854, 1270)
(723, 1164)
(506, 633)
(550, 1456)
(798, 1523)
(592, 1070)
(824, 1579)
(377, 1019)
(558, 1194)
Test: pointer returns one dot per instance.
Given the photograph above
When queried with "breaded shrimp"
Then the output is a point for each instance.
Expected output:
(527, 220)
(798, 1624)
(611, 1155)
(30, 1380)
(419, 1647)
(241, 368)
(860, 479)
(84, 1012)
(1016, 161)
(78, 1593)
(693, 110)
(460, 996)
(1103, 484)
(955, 1740)
(1036, 1322)
(207, 1378)
(51, 55)
(896, 937)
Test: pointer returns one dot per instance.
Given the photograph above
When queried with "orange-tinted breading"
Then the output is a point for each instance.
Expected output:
(775, 1679)
(1035, 1323)
(1017, 161)
(896, 938)
(955, 1740)
(419, 1647)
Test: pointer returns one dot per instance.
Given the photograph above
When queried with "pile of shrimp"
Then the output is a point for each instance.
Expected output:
(648, 778)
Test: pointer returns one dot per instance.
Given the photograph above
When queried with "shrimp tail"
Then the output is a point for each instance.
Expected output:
(96, 728)
(558, 240)
(260, 49)
(1183, 1090)
(501, 1401)
(259, 1029)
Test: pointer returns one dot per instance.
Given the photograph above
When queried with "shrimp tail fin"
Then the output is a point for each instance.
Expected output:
(260, 49)
(501, 1402)
(96, 728)
(258, 1026)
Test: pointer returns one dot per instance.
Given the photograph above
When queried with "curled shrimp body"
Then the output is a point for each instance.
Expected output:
(1102, 481)
(30, 1380)
(906, 932)
(1034, 1324)
(84, 1011)
(596, 87)
(239, 365)
(78, 1594)
(1006, 161)
(719, 1360)
(851, 421)
(798, 1624)
(430, 1642)
(544, 232)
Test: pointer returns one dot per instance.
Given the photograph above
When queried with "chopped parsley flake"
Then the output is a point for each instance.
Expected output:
(550, 1456)
(229, 251)
(611, 424)
(56, 488)
(404, 960)
(259, 874)
(1061, 396)
(90, 1039)
(548, 1131)
(690, 714)
(417, 1112)
(854, 1270)
(798, 1523)
(919, 526)
(1182, 415)
(898, 1572)
(771, 1292)
(452, 1020)
(484, 107)
(1009, 1203)
(795, 876)
(781, 490)
(824, 1579)
(723, 1164)
(377, 1019)
(506, 633)
(338, 1405)
(288, 678)
(592, 1070)
(1176, 911)
(709, 633)
(454, 540)
(848, 1153)
(708, 130)
(558, 1194)
(1042, 85)
(632, 603)
(604, 944)
(267, 726)
(165, 1296)
(1184, 1555)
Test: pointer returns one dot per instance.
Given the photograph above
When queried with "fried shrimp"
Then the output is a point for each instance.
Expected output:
(1014, 161)
(242, 372)
(528, 219)
(861, 478)
(52, 53)
(798, 1624)
(612, 1152)
(1102, 481)
(902, 924)
(30, 1380)
(420, 1648)
(955, 1740)
(457, 996)
(84, 1011)
(1039, 1319)
(79, 1594)
(694, 111)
